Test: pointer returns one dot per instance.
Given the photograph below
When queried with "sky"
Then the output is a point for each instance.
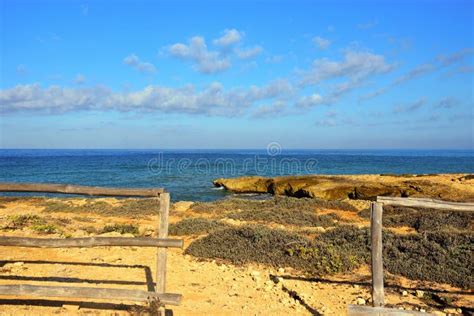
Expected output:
(237, 74)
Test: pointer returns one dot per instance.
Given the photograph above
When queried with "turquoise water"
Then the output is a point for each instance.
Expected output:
(188, 174)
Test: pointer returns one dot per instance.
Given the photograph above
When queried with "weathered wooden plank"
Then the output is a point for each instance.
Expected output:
(162, 233)
(376, 250)
(87, 292)
(358, 310)
(426, 202)
(78, 189)
(91, 242)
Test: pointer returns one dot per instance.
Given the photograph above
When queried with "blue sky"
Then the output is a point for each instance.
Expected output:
(236, 74)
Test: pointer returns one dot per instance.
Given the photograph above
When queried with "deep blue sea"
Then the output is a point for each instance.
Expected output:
(188, 174)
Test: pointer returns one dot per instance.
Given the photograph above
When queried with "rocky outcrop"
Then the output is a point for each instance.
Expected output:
(454, 187)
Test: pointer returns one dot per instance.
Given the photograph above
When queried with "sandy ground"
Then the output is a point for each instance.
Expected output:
(208, 287)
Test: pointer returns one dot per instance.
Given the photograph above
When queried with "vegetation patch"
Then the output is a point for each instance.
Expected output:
(22, 221)
(275, 204)
(46, 229)
(195, 226)
(440, 257)
(122, 229)
(425, 220)
(34, 222)
(286, 217)
(133, 208)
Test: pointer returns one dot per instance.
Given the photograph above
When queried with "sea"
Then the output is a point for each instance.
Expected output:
(188, 174)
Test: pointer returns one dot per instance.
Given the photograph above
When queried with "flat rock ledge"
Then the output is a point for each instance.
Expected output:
(450, 187)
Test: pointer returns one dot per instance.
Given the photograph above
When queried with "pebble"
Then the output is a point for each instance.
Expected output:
(419, 293)
(18, 264)
(360, 301)
(281, 270)
(404, 293)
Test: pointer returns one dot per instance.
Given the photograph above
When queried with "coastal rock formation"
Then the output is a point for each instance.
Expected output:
(453, 187)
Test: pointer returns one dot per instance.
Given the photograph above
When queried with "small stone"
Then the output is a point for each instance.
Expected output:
(281, 270)
(404, 293)
(422, 310)
(438, 313)
(255, 273)
(419, 293)
(459, 310)
(356, 286)
(360, 301)
(18, 264)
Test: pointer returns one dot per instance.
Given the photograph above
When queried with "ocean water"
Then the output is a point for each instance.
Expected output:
(188, 174)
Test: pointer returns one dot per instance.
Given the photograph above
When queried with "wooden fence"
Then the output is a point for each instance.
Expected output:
(159, 296)
(376, 211)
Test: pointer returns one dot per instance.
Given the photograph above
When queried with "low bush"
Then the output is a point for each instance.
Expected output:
(195, 226)
(23, 220)
(134, 208)
(439, 257)
(425, 220)
(286, 217)
(46, 228)
(275, 204)
(121, 228)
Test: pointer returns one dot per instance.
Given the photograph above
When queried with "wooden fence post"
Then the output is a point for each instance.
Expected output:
(376, 211)
(161, 254)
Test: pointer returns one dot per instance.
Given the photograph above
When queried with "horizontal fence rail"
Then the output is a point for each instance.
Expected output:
(87, 292)
(426, 203)
(78, 189)
(91, 242)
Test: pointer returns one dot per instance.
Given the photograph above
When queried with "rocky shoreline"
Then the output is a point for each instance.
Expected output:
(451, 187)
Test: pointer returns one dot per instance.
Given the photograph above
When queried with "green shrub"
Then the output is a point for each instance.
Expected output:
(134, 208)
(195, 226)
(286, 217)
(424, 219)
(46, 228)
(442, 257)
(23, 220)
(121, 228)
(276, 203)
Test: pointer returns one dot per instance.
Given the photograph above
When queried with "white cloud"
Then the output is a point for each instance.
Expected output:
(447, 103)
(80, 79)
(410, 107)
(212, 100)
(356, 66)
(196, 50)
(135, 62)
(416, 72)
(249, 52)
(321, 43)
(274, 109)
(447, 60)
(309, 101)
(229, 37)
(373, 94)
